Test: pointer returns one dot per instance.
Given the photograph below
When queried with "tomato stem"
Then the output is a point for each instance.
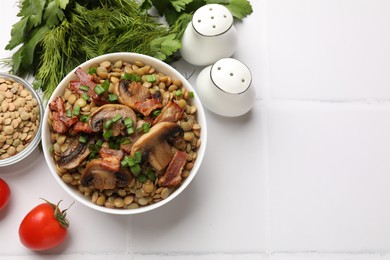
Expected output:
(58, 214)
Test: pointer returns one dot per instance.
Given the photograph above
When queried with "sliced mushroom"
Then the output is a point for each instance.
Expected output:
(157, 144)
(95, 174)
(77, 151)
(108, 112)
(101, 178)
(123, 177)
(130, 92)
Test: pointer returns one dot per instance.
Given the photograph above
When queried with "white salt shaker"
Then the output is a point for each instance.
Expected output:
(209, 36)
(225, 88)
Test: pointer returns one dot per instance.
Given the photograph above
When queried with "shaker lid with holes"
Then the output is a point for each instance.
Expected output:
(231, 76)
(212, 20)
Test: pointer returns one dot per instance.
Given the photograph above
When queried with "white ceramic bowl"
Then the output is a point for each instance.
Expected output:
(161, 67)
(37, 138)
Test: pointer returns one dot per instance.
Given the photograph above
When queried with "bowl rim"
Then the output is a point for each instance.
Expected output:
(37, 138)
(161, 67)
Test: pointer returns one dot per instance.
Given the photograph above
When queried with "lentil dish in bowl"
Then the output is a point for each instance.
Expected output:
(124, 133)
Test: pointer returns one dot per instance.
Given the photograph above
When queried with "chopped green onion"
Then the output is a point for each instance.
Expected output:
(130, 161)
(142, 178)
(91, 71)
(114, 145)
(85, 96)
(124, 162)
(156, 112)
(106, 85)
(82, 139)
(85, 88)
(191, 94)
(108, 134)
(99, 89)
(132, 77)
(116, 118)
(84, 118)
(68, 113)
(125, 140)
(129, 125)
(99, 143)
(128, 122)
(130, 130)
(94, 149)
(146, 127)
(151, 78)
(112, 97)
(107, 125)
(136, 169)
(178, 93)
(76, 110)
(137, 157)
(150, 174)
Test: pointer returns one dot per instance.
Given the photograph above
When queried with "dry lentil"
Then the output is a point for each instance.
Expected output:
(16, 117)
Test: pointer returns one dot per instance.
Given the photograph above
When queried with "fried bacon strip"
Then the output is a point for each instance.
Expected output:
(146, 107)
(61, 122)
(84, 80)
(172, 176)
(111, 159)
(81, 127)
(172, 112)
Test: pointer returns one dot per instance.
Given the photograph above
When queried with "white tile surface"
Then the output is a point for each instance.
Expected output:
(304, 176)
(329, 173)
(329, 49)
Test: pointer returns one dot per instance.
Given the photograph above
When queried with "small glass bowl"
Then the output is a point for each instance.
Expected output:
(37, 138)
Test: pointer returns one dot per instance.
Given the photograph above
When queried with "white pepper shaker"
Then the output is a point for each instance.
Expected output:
(225, 88)
(209, 36)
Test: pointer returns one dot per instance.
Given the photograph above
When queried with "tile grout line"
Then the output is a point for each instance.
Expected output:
(129, 235)
(266, 98)
(369, 101)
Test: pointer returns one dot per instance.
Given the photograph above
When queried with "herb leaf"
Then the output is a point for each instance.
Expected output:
(238, 8)
(62, 3)
(17, 33)
(161, 5)
(180, 5)
(53, 14)
(33, 9)
(165, 46)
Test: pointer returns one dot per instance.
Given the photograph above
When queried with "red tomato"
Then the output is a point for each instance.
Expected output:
(44, 227)
(5, 193)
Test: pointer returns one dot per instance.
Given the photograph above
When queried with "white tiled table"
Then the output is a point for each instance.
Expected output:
(304, 175)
